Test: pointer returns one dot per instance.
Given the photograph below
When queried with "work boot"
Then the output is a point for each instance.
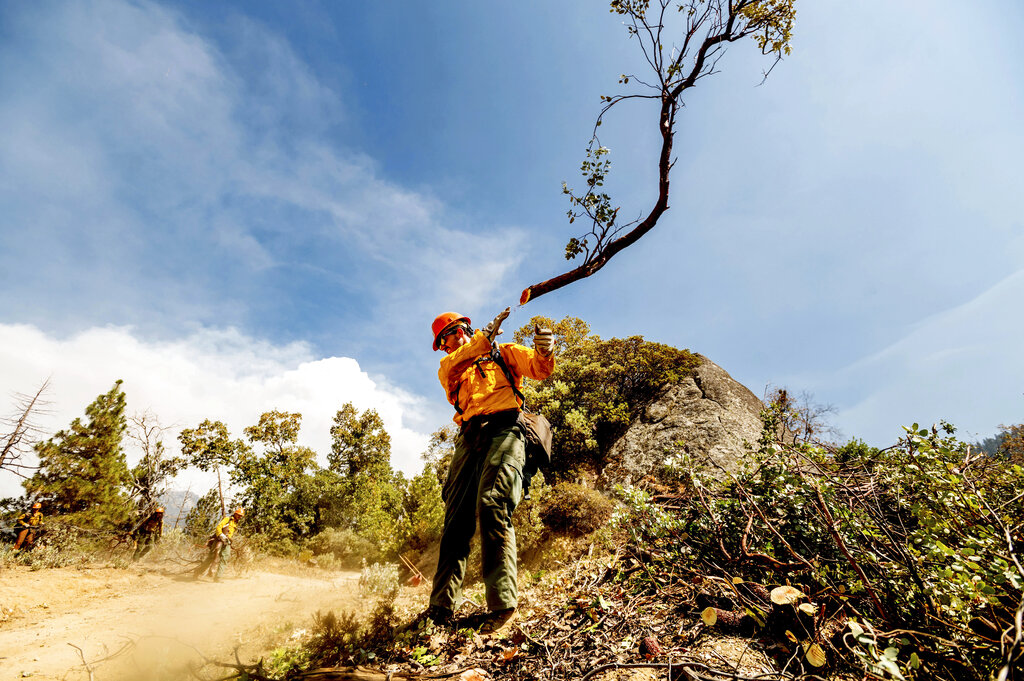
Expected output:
(440, 615)
(497, 620)
(435, 614)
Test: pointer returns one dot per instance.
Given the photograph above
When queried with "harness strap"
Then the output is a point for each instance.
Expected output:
(498, 359)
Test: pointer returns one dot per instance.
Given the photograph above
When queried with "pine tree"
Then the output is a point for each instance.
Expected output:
(82, 470)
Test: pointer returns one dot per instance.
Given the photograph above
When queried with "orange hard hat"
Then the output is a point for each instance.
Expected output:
(37, 505)
(443, 321)
(159, 509)
(239, 512)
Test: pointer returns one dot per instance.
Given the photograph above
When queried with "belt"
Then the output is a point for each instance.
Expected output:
(497, 419)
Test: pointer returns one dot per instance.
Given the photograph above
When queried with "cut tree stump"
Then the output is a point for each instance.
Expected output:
(728, 621)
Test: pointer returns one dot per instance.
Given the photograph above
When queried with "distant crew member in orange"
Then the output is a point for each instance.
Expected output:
(485, 477)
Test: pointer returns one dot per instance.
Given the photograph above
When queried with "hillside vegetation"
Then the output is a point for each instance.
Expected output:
(813, 562)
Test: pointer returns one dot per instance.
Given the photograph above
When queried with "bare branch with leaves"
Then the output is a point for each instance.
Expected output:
(682, 42)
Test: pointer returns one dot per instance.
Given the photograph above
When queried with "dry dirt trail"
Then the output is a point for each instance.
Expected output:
(170, 618)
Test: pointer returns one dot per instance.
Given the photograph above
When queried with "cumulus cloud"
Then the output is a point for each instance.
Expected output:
(218, 374)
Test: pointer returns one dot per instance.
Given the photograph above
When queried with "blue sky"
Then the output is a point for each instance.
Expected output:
(275, 199)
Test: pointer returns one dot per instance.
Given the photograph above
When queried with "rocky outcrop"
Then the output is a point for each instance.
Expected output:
(710, 416)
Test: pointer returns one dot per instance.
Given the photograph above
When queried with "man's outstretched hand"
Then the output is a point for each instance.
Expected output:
(543, 341)
(493, 328)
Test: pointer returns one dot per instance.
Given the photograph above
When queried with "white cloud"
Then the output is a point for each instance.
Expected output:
(402, 232)
(964, 365)
(218, 374)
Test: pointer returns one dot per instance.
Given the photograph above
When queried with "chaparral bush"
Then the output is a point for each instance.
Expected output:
(909, 554)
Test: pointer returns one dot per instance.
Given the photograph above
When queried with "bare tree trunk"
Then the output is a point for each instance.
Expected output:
(181, 508)
(23, 432)
(220, 491)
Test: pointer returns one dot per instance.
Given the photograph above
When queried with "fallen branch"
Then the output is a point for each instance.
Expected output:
(81, 655)
(366, 674)
(831, 524)
(89, 667)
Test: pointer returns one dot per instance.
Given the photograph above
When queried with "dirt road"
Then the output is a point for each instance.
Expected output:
(166, 619)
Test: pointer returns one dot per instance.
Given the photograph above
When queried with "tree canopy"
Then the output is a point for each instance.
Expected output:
(359, 442)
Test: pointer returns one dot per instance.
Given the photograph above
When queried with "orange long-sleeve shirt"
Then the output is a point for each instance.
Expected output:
(476, 383)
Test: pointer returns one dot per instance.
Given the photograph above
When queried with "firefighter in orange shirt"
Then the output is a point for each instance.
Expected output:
(485, 477)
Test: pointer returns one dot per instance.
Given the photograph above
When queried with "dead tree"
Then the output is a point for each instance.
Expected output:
(682, 42)
(21, 432)
(149, 478)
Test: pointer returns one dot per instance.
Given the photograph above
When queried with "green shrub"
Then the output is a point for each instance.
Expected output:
(380, 579)
(337, 640)
(347, 547)
(328, 561)
(909, 546)
(61, 546)
(424, 513)
(571, 508)
(282, 547)
(379, 637)
(597, 388)
(530, 530)
(334, 639)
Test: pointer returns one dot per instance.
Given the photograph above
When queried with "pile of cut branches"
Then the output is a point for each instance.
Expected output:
(903, 562)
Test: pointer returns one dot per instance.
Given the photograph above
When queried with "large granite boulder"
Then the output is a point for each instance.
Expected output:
(710, 416)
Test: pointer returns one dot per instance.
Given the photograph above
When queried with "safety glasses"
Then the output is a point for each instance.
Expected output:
(450, 332)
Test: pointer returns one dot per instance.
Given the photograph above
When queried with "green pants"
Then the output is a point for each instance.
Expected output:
(485, 480)
(147, 540)
(224, 551)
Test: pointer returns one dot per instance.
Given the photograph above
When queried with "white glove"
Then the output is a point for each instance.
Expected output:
(543, 341)
(489, 331)
(496, 324)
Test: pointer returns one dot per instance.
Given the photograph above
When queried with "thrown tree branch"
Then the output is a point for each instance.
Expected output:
(707, 28)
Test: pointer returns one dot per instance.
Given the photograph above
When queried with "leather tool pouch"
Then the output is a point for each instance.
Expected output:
(538, 439)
